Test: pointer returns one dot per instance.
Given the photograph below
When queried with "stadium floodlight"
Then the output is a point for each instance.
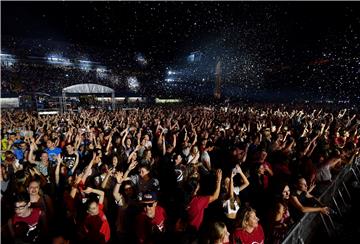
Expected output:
(133, 83)
(48, 112)
(57, 59)
(85, 61)
(7, 59)
(85, 65)
(100, 70)
(195, 57)
(191, 58)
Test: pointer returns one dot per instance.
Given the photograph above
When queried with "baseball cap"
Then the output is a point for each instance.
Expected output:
(149, 196)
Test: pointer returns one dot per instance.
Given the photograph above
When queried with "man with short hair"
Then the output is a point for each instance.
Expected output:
(52, 151)
(150, 223)
(43, 165)
(26, 226)
(71, 159)
(20, 150)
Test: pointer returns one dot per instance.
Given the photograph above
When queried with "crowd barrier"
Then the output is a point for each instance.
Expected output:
(335, 195)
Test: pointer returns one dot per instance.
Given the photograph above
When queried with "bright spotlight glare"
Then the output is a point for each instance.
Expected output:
(56, 59)
(133, 83)
(141, 59)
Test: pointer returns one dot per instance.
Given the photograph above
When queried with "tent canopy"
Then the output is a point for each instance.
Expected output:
(88, 88)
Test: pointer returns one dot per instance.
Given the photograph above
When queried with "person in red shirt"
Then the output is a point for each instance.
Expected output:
(198, 204)
(96, 225)
(27, 225)
(249, 231)
(150, 223)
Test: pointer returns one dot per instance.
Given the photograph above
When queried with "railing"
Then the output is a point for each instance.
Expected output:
(337, 195)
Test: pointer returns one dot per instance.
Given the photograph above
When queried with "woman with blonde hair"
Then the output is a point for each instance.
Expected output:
(218, 234)
(248, 229)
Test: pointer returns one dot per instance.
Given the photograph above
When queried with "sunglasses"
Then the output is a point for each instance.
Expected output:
(21, 207)
(150, 204)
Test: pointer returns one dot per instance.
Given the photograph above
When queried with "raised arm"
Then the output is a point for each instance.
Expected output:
(245, 180)
(31, 153)
(104, 184)
(57, 169)
(195, 159)
(74, 188)
(100, 193)
(88, 169)
(109, 144)
(163, 144)
(39, 138)
(174, 140)
(76, 162)
(231, 188)
(137, 148)
(295, 201)
(195, 137)
(126, 132)
(116, 192)
(131, 167)
(78, 140)
(313, 141)
(245, 153)
(216, 194)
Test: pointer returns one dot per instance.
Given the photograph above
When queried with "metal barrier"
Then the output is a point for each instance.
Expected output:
(336, 193)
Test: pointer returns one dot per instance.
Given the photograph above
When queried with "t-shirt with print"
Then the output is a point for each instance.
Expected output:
(244, 237)
(43, 169)
(52, 153)
(69, 160)
(27, 228)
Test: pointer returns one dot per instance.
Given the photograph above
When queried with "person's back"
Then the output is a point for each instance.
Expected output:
(198, 204)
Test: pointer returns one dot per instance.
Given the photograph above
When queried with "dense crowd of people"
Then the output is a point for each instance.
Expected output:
(24, 77)
(187, 174)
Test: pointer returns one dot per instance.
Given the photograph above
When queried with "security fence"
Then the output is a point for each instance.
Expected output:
(335, 195)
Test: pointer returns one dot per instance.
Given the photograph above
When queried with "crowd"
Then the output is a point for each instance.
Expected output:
(51, 79)
(230, 174)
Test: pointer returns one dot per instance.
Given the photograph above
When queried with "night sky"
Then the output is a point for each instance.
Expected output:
(258, 42)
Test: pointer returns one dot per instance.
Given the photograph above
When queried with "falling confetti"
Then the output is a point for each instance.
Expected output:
(295, 49)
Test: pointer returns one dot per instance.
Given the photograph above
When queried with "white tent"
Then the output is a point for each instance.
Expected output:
(89, 88)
